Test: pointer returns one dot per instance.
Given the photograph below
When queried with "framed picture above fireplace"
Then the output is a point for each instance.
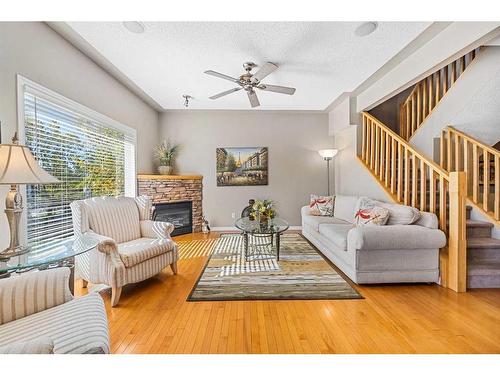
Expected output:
(242, 166)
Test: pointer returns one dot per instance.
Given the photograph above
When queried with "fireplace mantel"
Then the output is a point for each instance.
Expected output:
(174, 188)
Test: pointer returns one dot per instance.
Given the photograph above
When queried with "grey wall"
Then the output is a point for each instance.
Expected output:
(35, 51)
(295, 168)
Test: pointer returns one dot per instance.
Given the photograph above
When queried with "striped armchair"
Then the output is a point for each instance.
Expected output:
(131, 247)
(38, 315)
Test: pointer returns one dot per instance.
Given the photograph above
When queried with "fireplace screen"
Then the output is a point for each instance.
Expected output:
(180, 214)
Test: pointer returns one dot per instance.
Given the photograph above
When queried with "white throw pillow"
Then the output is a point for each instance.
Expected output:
(321, 206)
(368, 213)
(400, 214)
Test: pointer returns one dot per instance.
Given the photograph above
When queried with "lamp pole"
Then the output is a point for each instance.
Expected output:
(328, 155)
(328, 173)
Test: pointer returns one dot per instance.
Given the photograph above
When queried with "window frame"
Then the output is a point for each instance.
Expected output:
(25, 85)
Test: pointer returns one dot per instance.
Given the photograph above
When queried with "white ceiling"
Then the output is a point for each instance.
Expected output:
(320, 59)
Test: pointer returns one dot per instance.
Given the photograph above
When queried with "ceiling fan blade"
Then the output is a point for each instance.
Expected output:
(252, 96)
(264, 71)
(279, 89)
(220, 75)
(216, 96)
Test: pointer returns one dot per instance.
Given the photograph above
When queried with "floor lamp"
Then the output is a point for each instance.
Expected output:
(328, 155)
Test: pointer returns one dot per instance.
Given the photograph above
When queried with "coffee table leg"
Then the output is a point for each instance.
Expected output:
(278, 246)
(245, 241)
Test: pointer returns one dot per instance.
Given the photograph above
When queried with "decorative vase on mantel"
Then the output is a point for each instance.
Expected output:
(165, 169)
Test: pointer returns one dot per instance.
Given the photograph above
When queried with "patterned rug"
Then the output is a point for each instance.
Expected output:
(301, 273)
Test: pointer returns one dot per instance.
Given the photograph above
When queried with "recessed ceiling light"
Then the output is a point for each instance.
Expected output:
(134, 26)
(366, 28)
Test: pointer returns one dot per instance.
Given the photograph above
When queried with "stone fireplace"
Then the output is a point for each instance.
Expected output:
(174, 188)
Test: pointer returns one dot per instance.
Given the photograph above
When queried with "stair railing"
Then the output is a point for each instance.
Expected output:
(412, 179)
(427, 93)
(461, 152)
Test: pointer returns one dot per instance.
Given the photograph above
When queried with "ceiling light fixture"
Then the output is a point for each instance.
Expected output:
(366, 29)
(186, 99)
(134, 27)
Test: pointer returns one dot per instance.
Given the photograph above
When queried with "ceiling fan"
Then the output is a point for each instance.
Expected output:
(249, 82)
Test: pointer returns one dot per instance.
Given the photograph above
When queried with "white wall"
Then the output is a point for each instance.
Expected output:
(472, 105)
(295, 168)
(35, 51)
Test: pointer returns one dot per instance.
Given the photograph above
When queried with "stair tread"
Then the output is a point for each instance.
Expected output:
(478, 223)
(483, 268)
(483, 243)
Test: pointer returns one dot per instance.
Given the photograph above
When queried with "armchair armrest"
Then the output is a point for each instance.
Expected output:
(105, 244)
(156, 229)
(395, 237)
(33, 292)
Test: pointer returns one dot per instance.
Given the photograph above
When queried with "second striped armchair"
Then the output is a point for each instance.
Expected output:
(131, 246)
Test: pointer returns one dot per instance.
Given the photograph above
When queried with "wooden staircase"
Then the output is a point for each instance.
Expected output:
(483, 254)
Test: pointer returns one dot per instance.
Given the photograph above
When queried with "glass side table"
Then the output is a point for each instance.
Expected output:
(59, 254)
(263, 236)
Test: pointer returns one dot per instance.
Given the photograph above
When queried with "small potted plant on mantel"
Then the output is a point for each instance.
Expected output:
(166, 155)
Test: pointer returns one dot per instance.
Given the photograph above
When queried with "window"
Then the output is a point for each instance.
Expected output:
(90, 154)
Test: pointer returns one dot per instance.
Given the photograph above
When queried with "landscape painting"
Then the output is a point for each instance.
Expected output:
(241, 166)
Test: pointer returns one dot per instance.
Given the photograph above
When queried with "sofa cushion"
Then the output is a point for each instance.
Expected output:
(78, 326)
(315, 221)
(399, 214)
(142, 249)
(336, 233)
(345, 207)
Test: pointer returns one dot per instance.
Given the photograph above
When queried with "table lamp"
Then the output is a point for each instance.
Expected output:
(18, 166)
(328, 155)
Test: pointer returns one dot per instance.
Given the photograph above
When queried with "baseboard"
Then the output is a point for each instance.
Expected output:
(224, 229)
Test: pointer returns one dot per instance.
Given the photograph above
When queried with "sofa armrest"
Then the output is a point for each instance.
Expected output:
(395, 237)
(40, 345)
(32, 292)
(156, 229)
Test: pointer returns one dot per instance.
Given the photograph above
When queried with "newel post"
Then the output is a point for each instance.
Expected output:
(457, 247)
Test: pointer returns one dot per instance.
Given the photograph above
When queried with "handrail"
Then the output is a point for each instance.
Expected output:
(428, 92)
(461, 152)
(411, 178)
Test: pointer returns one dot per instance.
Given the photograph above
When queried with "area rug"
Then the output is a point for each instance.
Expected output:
(301, 273)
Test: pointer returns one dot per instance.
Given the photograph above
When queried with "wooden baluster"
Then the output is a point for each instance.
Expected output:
(475, 174)
(432, 191)
(445, 81)
(496, 208)
(400, 172)
(408, 120)
(458, 154)
(407, 177)
(423, 185)
(449, 161)
(462, 64)
(377, 148)
(466, 164)
(438, 87)
(382, 155)
(372, 144)
(431, 93)
(486, 180)
(442, 204)
(414, 180)
(413, 114)
(363, 144)
(453, 72)
(424, 99)
(393, 166)
(457, 247)
(419, 106)
(442, 150)
(387, 158)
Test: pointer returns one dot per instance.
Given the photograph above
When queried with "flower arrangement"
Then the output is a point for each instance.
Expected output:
(263, 210)
(165, 154)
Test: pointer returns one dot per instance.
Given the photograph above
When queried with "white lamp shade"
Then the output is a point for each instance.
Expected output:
(328, 153)
(18, 166)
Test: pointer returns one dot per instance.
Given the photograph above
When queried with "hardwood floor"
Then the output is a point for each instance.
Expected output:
(154, 317)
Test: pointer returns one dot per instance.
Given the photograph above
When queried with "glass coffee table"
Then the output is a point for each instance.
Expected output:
(60, 254)
(260, 238)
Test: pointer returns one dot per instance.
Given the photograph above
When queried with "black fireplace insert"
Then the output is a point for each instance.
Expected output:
(178, 213)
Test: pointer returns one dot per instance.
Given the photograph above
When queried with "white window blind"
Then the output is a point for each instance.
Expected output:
(90, 157)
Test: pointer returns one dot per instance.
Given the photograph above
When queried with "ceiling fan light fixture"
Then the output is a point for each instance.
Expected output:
(366, 29)
(135, 27)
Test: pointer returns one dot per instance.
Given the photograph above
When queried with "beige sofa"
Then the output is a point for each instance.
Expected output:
(392, 253)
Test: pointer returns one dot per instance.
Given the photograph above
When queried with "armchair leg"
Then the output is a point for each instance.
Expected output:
(84, 283)
(115, 296)
(173, 266)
